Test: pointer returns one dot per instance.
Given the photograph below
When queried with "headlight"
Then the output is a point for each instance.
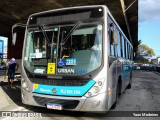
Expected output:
(24, 86)
(95, 89)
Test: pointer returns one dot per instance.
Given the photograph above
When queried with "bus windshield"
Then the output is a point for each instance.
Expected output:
(59, 50)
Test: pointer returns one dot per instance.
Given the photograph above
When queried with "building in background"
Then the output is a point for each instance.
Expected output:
(3, 48)
(158, 60)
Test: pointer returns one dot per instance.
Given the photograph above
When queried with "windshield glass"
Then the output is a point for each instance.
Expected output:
(80, 53)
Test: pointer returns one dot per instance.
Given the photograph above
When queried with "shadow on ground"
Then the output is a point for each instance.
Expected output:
(14, 93)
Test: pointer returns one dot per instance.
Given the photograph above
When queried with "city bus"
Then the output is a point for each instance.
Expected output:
(76, 59)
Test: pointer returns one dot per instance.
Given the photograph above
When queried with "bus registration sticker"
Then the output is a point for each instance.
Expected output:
(51, 68)
(54, 106)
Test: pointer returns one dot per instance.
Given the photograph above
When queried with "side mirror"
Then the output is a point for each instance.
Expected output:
(113, 34)
(115, 37)
(14, 36)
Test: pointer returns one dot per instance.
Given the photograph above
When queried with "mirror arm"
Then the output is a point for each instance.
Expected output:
(16, 25)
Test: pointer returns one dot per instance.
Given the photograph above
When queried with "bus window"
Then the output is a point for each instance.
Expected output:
(123, 48)
(119, 45)
(129, 52)
(126, 48)
(111, 45)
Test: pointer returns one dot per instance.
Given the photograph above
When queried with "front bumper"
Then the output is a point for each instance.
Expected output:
(93, 104)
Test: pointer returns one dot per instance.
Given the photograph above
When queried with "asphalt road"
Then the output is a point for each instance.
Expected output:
(143, 97)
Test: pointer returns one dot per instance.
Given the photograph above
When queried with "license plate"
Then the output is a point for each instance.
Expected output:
(54, 106)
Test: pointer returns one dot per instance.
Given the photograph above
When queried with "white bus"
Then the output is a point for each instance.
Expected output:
(75, 59)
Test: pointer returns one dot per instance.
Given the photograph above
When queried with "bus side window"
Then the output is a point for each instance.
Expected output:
(111, 44)
(126, 49)
(119, 45)
(122, 47)
(116, 42)
(125, 56)
(129, 52)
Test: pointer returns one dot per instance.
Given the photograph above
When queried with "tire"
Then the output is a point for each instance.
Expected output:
(117, 95)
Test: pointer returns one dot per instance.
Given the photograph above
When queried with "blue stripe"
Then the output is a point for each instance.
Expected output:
(64, 90)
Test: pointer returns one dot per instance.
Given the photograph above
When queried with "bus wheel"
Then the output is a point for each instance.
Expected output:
(117, 95)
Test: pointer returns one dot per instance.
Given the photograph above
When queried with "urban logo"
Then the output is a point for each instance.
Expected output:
(70, 71)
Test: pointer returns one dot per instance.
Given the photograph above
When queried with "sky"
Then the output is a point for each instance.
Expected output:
(149, 24)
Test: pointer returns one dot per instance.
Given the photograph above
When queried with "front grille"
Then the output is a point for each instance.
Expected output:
(66, 104)
(59, 82)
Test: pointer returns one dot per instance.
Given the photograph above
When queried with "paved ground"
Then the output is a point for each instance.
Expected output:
(144, 96)
(10, 97)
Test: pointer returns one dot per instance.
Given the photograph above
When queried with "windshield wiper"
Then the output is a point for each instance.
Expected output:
(70, 32)
(63, 41)
(45, 35)
(49, 44)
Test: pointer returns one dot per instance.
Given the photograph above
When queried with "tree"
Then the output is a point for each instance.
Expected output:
(145, 51)
(136, 48)
(139, 42)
